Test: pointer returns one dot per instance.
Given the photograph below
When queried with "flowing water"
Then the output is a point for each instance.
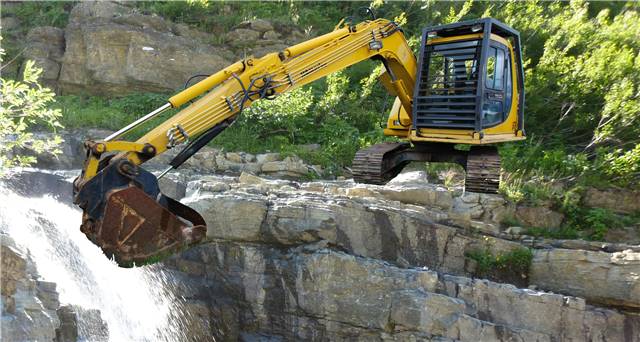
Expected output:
(136, 304)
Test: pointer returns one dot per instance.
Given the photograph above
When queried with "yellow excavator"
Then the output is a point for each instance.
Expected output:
(465, 87)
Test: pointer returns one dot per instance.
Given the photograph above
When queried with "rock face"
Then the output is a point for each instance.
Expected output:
(314, 293)
(336, 261)
(28, 304)
(109, 48)
(618, 200)
(46, 47)
(606, 278)
(31, 310)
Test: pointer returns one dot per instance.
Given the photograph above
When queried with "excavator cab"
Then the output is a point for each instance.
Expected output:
(470, 84)
(469, 90)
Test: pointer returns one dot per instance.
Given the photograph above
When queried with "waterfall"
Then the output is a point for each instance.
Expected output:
(136, 303)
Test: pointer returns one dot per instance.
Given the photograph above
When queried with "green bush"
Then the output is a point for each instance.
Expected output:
(24, 106)
(515, 262)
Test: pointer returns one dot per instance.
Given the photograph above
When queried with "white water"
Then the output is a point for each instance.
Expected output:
(135, 303)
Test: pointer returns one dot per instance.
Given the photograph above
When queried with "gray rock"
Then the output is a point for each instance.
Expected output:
(110, 50)
(321, 294)
(261, 25)
(172, 187)
(271, 35)
(45, 46)
(622, 201)
(600, 277)
(28, 306)
(268, 157)
(242, 37)
(539, 217)
(10, 23)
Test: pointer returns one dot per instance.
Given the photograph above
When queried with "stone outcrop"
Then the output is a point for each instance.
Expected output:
(110, 48)
(113, 50)
(31, 310)
(28, 304)
(206, 161)
(315, 293)
(333, 260)
(46, 48)
(606, 278)
(621, 201)
(367, 221)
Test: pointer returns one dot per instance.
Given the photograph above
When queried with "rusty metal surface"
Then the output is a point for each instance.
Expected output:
(136, 229)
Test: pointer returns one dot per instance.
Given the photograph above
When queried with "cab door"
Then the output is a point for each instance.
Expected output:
(497, 87)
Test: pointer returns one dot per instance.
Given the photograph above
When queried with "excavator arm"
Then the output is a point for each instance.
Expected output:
(124, 211)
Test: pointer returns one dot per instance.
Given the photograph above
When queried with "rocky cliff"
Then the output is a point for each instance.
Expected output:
(111, 48)
(336, 261)
(333, 260)
(31, 310)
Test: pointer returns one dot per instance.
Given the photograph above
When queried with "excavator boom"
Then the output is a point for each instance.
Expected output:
(467, 87)
(124, 211)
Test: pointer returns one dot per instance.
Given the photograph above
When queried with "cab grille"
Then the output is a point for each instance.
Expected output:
(446, 95)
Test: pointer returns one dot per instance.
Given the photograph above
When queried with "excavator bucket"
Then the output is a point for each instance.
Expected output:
(127, 216)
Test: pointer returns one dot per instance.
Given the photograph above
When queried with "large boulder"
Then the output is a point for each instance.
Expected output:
(112, 50)
(45, 46)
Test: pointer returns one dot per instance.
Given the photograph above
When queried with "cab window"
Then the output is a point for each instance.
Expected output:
(495, 69)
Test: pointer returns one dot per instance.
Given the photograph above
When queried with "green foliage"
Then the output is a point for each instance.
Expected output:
(315, 17)
(582, 86)
(596, 222)
(92, 111)
(40, 13)
(516, 261)
(24, 105)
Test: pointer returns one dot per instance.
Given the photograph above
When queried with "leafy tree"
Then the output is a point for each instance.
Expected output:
(25, 105)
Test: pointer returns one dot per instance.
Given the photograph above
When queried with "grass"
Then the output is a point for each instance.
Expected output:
(513, 265)
(112, 114)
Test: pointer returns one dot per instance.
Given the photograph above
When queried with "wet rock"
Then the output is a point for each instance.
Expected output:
(68, 330)
(79, 324)
(28, 305)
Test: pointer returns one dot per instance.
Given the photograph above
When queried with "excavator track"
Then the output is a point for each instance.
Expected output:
(376, 164)
(483, 170)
